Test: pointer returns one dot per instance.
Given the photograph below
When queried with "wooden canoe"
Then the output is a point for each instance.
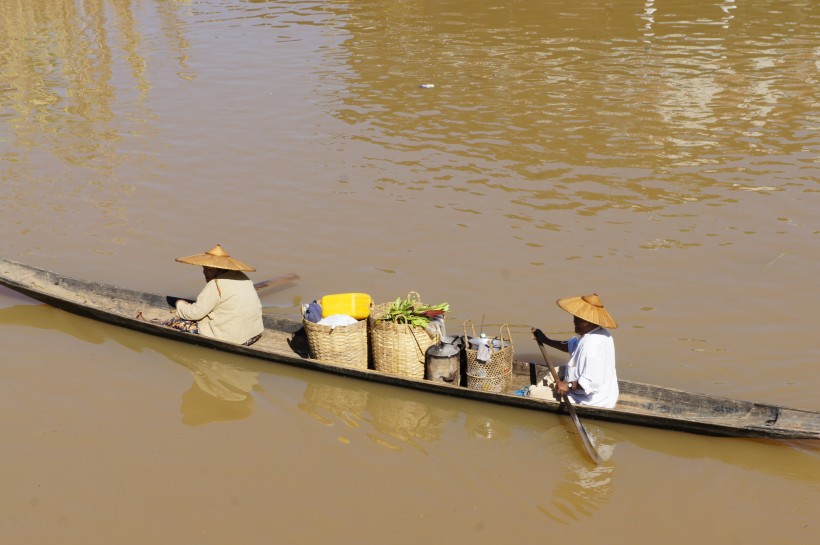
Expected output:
(284, 342)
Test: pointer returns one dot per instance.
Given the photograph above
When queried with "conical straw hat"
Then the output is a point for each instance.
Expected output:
(589, 308)
(217, 258)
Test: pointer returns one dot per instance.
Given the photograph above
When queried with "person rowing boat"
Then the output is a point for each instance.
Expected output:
(589, 377)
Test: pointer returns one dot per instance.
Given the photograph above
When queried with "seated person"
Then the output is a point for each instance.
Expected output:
(589, 378)
(228, 307)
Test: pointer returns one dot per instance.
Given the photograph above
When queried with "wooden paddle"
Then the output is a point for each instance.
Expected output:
(587, 442)
(274, 282)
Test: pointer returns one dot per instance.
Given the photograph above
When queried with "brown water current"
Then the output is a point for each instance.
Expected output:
(495, 155)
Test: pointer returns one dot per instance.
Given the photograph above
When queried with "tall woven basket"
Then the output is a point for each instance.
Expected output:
(398, 348)
(340, 345)
(495, 375)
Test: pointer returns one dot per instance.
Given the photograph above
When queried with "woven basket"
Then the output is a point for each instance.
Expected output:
(398, 349)
(340, 345)
(496, 374)
(496, 385)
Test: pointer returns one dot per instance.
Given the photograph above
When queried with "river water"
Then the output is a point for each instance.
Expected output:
(495, 155)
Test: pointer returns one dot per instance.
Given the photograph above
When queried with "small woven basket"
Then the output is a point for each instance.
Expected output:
(496, 385)
(340, 345)
(398, 348)
(495, 375)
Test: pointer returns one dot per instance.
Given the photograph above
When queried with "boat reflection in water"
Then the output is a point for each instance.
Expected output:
(582, 487)
(391, 418)
(220, 392)
(570, 489)
(347, 404)
(407, 420)
(562, 484)
(46, 317)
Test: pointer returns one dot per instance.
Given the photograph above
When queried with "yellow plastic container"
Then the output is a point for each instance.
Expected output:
(353, 304)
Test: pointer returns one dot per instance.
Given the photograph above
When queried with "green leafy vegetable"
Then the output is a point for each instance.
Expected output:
(408, 311)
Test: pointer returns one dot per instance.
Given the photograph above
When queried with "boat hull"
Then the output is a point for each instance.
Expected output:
(284, 342)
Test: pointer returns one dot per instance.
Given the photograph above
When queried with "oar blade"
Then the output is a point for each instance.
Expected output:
(275, 282)
(582, 431)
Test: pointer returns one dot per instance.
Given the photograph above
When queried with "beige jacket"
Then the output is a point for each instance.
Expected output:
(227, 308)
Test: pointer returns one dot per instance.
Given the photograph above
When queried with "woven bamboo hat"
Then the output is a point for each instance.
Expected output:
(589, 308)
(217, 258)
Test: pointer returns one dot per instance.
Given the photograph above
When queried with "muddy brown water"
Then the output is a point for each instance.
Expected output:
(493, 155)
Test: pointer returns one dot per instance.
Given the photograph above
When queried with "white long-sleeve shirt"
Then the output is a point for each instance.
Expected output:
(227, 308)
(592, 367)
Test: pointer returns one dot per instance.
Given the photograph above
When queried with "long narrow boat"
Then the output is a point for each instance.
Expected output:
(283, 342)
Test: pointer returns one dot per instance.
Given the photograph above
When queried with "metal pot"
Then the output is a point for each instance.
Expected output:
(442, 362)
